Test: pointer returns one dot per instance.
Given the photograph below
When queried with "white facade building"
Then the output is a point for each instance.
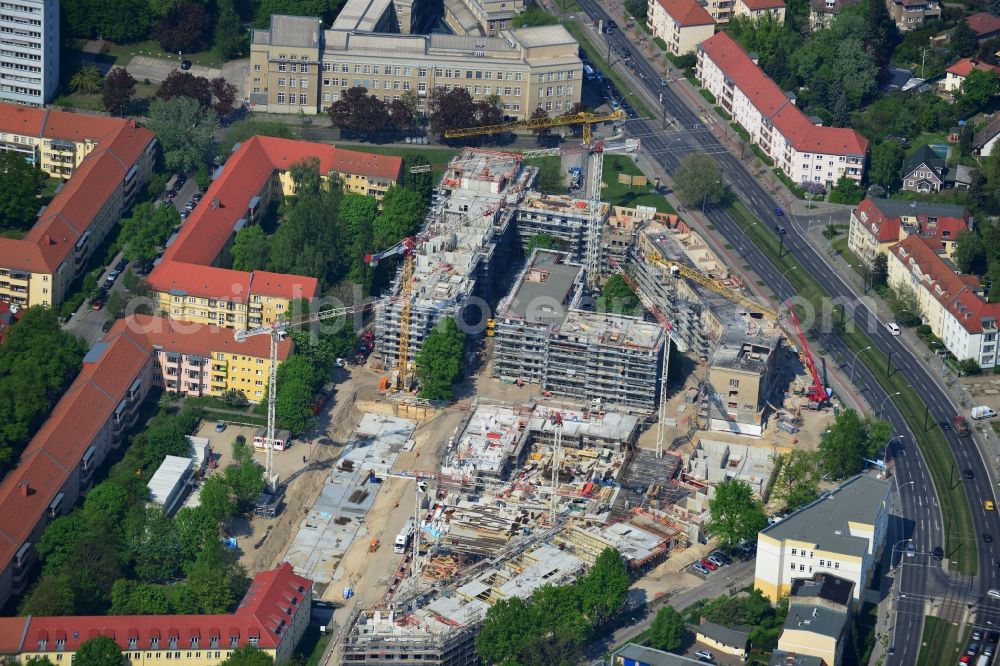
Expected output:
(804, 151)
(29, 51)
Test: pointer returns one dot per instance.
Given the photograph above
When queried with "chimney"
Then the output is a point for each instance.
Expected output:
(25, 488)
(46, 239)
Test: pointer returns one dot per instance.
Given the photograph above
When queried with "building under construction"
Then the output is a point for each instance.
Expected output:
(594, 358)
(565, 218)
(463, 252)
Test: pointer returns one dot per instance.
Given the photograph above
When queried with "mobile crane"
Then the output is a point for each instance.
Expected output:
(817, 393)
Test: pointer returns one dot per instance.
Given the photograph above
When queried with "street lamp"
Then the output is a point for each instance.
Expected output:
(885, 454)
(704, 198)
(743, 236)
(892, 556)
(781, 284)
(855, 360)
(883, 402)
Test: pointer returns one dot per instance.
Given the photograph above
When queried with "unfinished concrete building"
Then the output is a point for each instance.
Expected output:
(594, 358)
(747, 375)
(563, 217)
(462, 253)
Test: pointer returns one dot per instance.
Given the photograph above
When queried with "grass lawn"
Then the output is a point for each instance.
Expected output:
(123, 54)
(623, 195)
(940, 644)
(597, 56)
(311, 646)
(959, 537)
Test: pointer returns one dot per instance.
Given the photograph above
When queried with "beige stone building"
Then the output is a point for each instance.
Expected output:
(756, 9)
(296, 66)
(682, 24)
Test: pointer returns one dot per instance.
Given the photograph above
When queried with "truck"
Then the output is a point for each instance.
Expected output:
(983, 412)
(404, 537)
(961, 426)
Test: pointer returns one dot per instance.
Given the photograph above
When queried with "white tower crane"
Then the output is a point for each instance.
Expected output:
(276, 331)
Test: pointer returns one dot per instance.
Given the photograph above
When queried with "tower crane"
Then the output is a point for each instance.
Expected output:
(817, 393)
(276, 331)
(585, 119)
(715, 285)
(405, 248)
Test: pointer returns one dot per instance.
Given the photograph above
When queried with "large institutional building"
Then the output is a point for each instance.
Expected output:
(98, 409)
(297, 66)
(29, 59)
(271, 617)
(189, 280)
(107, 161)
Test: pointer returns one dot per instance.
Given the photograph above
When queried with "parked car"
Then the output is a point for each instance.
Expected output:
(220, 426)
(993, 594)
(989, 506)
(120, 266)
(718, 554)
(709, 564)
(893, 328)
(185, 214)
(716, 561)
(705, 655)
(185, 65)
(972, 649)
(661, 82)
(700, 568)
(938, 553)
(171, 194)
(779, 212)
(106, 326)
(112, 276)
(976, 635)
(97, 304)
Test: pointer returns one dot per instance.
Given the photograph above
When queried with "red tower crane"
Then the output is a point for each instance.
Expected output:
(817, 392)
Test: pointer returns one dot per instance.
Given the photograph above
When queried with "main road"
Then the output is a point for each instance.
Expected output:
(917, 500)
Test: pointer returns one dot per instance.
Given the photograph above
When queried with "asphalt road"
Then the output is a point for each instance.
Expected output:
(918, 506)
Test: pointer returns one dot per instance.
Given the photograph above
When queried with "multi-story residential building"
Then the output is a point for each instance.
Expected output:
(744, 378)
(878, 223)
(38, 268)
(189, 281)
(842, 533)
(955, 75)
(759, 8)
(818, 622)
(97, 410)
(912, 14)
(272, 617)
(951, 304)
(295, 66)
(821, 12)
(682, 24)
(806, 151)
(29, 65)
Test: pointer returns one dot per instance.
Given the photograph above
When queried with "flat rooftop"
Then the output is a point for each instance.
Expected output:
(825, 522)
(747, 347)
(493, 435)
(544, 290)
(816, 619)
(604, 328)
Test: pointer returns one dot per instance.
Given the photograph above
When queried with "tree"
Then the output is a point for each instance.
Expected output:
(902, 300)
(963, 42)
(146, 230)
(880, 271)
(532, 17)
(798, 481)
(450, 109)
(403, 210)
(969, 366)
(667, 630)
(356, 217)
(401, 114)
(845, 445)
(250, 249)
(228, 38)
(184, 28)
(358, 112)
(20, 184)
(100, 651)
(508, 628)
(212, 580)
(196, 528)
(248, 656)
(131, 598)
(439, 361)
(617, 296)
(847, 191)
(52, 595)
(267, 8)
(185, 84)
(157, 553)
(605, 587)
(245, 480)
(560, 613)
(118, 91)
(105, 504)
(185, 131)
(542, 242)
(296, 382)
(215, 499)
(540, 114)
(887, 160)
(58, 541)
(881, 27)
(224, 94)
(764, 36)
(422, 183)
(87, 80)
(970, 253)
(978, 89)
(735, 514)
(698, 180)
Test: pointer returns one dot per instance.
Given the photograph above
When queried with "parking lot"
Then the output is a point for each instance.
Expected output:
(980, 650)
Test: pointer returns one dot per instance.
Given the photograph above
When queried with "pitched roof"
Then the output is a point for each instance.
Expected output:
(12, 633)
(686, 13)
(201, 339)
(186, 264)
(934, 222)
(732, 636)
(18, 119)
(775, 105)
(924, 155)
(965, 66)
(983, 136)
(271, 603)
(761, 5)
(983, 24)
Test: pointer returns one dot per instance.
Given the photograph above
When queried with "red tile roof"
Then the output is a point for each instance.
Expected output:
(186, 265)
(72, 209)
(269, 607)
(19, 119)
(983, 23)
(772, 102)
(13, 630)
(933, 226)
(883, 227)
(687, 13)
(964, 66)
(201, 339)
(761, 5)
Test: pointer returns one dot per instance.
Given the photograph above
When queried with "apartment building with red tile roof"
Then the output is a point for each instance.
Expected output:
(950, 303)
(759, 8)
(138, 353)
(188, 279)
(272, 616)
(682, 24)
(804, 150)
(38, 268)
(878, 223)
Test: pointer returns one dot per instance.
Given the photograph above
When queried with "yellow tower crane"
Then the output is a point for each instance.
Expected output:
(585, 119)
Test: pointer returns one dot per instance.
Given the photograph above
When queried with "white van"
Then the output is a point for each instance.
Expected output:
(893, 328)
(993, 594)
(983, 412)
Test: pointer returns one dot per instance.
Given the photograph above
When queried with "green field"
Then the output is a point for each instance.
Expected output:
(619, 194)
(960, 540)
(940, 644)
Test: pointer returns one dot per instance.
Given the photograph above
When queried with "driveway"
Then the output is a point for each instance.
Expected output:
(157, 69)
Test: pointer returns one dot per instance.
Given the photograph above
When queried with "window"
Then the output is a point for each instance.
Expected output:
(304, 68)
(303, 83)
(793, 551)
(836, 565)
(802, 567)
(281, 82)
(792, 566)
(281, 67)
(256, 68)
(327, 67)
(281, 98)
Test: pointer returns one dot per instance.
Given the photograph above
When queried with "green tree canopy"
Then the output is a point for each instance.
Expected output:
(798, 481)
(250, 249)
(296, 386)
(617, 297)
(542, 242)
(184, 129)
(20, 185)
(605, 587)
(887, 160)
(667, 630)
(970, 253)
(146, 230)
(845, 445)
(698, 180)
(403, 211)
(533, 16)
(735, 514)
(100, 651)
(248, 656)
(439, 361)
(509, 627)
